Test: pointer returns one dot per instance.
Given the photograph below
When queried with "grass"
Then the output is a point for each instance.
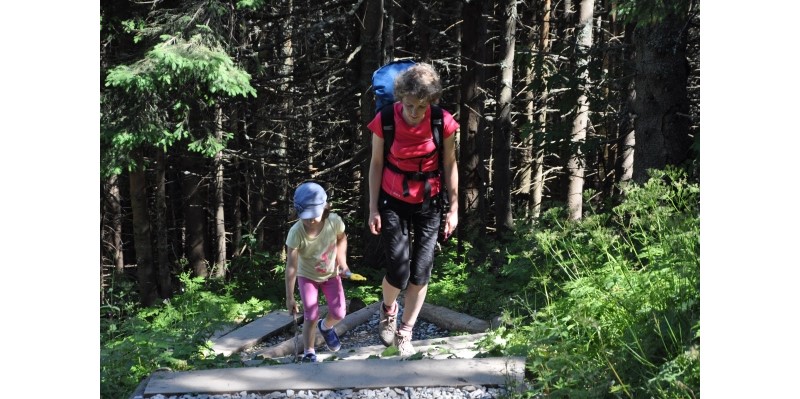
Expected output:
(604, 307)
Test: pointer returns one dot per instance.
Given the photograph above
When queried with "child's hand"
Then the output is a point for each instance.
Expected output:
(291, 305)
(354, 276)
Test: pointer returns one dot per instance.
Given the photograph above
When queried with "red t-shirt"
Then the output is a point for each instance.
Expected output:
(411, 145)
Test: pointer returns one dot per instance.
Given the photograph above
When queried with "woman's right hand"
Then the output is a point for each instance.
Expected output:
(374, 222)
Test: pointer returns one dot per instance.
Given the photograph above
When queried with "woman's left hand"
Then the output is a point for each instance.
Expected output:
(450, 223)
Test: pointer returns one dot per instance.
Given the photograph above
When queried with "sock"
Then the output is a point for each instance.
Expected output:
(391, 310)
(312, 350)
(405, 329)
(322, 326)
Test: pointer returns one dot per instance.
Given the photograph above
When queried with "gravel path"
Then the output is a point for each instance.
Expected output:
(360, 336)
(365, 334)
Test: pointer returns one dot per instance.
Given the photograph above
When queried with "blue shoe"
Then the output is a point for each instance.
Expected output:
(310, 358)
(331, 339)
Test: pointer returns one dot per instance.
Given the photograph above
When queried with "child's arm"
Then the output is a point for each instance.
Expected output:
(291, 278)
(341, 253)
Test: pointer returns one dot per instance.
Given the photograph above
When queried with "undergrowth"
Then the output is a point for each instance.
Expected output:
(173, 335)
(611, 305)
(604, 307)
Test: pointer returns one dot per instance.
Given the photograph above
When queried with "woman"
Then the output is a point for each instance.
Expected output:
(400, 205)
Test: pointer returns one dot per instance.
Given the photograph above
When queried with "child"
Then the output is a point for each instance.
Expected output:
(316, 248)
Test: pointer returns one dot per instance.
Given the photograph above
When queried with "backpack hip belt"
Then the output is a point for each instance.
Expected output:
(416, 176)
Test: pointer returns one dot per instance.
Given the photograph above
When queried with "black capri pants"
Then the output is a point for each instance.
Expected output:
(409, 233)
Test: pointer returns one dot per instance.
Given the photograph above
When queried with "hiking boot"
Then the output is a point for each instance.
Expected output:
(403, 343)
(387, 326)
(331, 339)
(310, 358)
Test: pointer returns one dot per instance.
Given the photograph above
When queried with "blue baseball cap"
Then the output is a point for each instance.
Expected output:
(309, 200)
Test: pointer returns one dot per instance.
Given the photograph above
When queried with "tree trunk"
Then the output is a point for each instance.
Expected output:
(502, 181)
(421, 31)
(145, 269)
(525, 173)
(370, 61)
(580, 124)
(278, 194)
(472, 175)
(220, 261)
(452, 320)
(538, 172)
(662, 101)
(113, 228)
(194, 218)
(236, 188)
(160, 218)
(385, 29)
(627, 140)
(111, 232)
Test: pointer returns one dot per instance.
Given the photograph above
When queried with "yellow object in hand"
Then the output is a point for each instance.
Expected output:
(355, 276)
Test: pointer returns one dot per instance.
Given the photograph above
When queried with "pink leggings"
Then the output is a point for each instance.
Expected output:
(334, 295)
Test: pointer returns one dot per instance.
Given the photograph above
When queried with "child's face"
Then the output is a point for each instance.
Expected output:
(312, 222)
(414, 109)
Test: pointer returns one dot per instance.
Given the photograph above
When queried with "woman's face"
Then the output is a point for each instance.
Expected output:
(414, 109)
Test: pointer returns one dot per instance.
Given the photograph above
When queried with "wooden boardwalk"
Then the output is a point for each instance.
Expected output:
(439, 362)
(348, 374)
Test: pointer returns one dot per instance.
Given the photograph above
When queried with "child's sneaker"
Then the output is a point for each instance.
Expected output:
(310, 358)
(403, 343)
(387, 326)
(331, 339)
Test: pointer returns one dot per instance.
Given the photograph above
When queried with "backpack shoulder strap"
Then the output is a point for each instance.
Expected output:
(437, 130)
(437, 125)
(387, 123)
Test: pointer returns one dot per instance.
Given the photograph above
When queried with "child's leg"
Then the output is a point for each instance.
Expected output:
(334, 295)
(309, 294)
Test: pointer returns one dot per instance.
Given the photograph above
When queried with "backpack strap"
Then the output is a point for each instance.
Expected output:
(437, 127)
(387, 124)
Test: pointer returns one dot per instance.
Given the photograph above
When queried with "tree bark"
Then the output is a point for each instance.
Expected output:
(452, 320)
(160, 217)
(194, 218)
(580, 124)
(473, 176)
(371, 60)
(113, 229)
(525, 173)
(662, 101)
(145, 269)
(220, 261)
(538, 173)
(502, 181)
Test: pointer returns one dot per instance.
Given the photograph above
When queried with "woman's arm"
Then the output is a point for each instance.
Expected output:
(451, 180)
(375, 175)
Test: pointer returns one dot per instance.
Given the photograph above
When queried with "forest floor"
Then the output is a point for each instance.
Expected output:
(268, 346)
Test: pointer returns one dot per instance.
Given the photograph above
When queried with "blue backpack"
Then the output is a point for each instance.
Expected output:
(383, 87)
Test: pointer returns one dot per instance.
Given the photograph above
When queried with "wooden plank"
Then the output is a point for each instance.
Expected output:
(351, 374)
(288, 347)
(252, 333)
